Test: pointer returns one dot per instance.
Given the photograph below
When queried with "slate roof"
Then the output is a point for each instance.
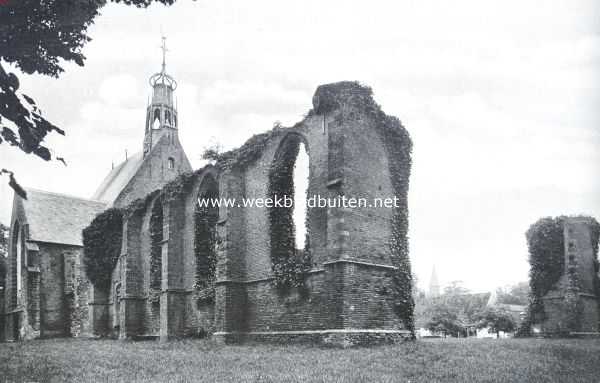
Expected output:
(58, 218)
(118, 178)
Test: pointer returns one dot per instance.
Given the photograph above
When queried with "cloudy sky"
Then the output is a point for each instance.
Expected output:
(500, 98)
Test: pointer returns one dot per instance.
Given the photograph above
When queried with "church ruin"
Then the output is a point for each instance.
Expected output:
(571, 306)
(187, 269)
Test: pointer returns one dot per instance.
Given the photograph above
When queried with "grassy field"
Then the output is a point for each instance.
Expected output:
(511, 360)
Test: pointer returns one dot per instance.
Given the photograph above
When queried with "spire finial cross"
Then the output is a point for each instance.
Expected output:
(164, 51)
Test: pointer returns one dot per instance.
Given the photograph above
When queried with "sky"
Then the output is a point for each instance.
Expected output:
(500, 98)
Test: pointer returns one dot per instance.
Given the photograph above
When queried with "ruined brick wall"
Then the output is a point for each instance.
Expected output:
(56, 292)
(579, 311)
(349, 280)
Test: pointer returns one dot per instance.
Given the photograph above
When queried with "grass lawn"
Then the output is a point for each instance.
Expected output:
(509, 360)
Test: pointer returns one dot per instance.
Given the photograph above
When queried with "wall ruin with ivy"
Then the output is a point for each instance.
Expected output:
(357, 262)
(565, 287)
(238, 271)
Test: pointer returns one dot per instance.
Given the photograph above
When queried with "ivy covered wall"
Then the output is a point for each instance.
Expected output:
(564, 283)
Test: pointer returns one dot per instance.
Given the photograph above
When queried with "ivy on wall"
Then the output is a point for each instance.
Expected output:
(156, 238)
(545, 241)
(102, 238)
(247, 153)
(289, 265)
(398, 147)
(205, 240)
(102, 246)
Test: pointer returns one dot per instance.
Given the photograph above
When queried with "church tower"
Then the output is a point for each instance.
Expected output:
(161, 113)
(162, 158)
(434, 284)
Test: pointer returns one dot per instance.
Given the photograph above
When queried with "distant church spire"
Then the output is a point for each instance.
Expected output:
(434, 284)
(161, 113)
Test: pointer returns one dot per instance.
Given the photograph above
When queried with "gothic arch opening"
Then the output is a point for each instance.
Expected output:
(156, 119)
(289, 229)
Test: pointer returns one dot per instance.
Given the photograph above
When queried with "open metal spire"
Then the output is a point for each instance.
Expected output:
(162, 77)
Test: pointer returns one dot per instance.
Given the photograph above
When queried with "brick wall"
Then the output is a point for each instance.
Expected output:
(349, 284)
(559, 314)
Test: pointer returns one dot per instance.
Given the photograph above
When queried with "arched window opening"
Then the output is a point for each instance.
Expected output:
(205, 238)
(300, 184)
(171, 163)
(289, 232)
(156, 119)
(168, 117)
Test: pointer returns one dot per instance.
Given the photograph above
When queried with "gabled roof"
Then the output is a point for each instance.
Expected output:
(118, 178)
(58, 218)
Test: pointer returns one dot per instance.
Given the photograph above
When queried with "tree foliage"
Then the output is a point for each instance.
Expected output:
(517, 294)
(452, 312)
(496, 319)
(102, 246)
(446, 321)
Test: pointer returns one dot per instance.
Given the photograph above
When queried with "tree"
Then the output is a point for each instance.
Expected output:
(514, 295)
(496, 320)
(36, 36)
(446, 320)
(455, 288)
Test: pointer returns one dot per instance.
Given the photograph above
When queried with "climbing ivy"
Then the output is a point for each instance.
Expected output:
(156, 237)
(398, 147)
(102, 246)
(247, 153)
(205, 240)
(545, 241)
(289, 265)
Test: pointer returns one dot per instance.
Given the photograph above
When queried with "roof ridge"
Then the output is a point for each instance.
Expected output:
(63, 195)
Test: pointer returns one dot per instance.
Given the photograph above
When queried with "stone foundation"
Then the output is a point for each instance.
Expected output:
(335, 338)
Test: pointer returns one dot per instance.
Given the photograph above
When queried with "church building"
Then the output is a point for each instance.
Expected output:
(45, 250)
